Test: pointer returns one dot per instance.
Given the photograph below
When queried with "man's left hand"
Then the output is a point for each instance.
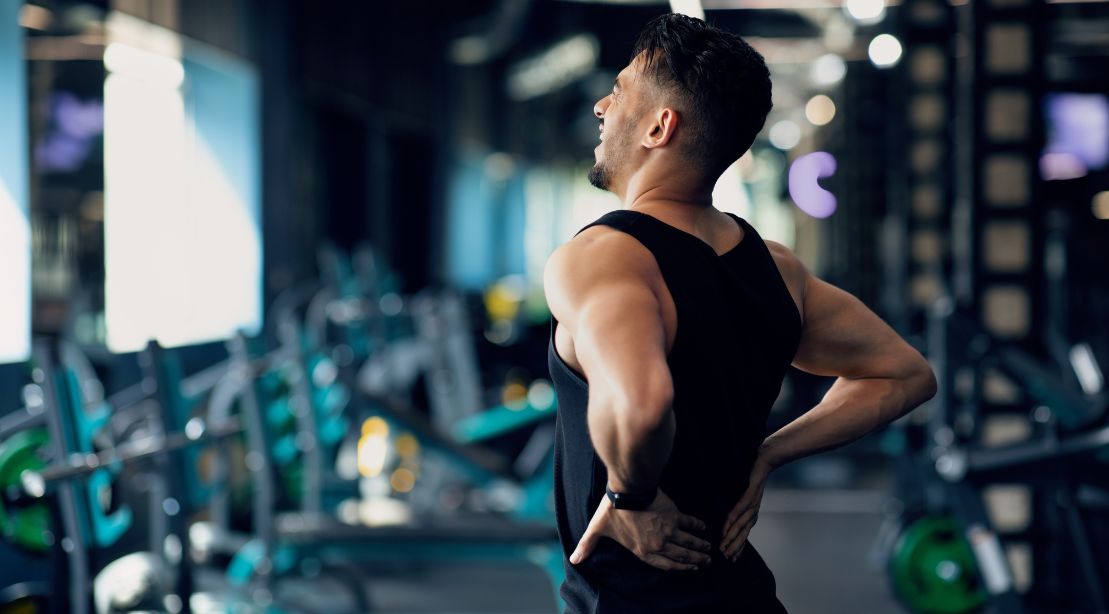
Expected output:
(745, 513)
(658, 535)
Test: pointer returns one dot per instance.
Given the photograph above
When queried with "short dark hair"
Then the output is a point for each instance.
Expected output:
(722, 80)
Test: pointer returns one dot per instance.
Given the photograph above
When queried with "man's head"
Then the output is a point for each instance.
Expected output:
(691, 87)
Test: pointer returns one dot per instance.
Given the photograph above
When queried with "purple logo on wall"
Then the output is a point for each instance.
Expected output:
(804, 186)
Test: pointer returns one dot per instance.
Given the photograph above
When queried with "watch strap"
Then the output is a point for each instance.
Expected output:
(630, 501)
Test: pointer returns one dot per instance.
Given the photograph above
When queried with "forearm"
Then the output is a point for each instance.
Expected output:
(851, 408)
(633, 442)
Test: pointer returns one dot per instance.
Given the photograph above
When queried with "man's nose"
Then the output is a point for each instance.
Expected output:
(600, 106)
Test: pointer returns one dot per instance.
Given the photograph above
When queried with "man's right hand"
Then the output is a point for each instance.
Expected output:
(658, 535)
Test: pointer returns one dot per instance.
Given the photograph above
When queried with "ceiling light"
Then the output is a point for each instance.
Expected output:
(865, 11)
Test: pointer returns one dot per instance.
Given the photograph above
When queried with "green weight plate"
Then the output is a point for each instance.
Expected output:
(25, 525)
(933, 570)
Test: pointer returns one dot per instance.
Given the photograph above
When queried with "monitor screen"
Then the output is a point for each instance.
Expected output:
(1077, 135)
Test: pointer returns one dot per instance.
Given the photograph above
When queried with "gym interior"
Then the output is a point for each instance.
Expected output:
(272, 324)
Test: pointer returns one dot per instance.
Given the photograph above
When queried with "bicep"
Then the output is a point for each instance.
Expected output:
(842, 337)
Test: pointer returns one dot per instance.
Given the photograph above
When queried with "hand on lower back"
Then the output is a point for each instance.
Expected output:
(659, 535)
(742, 518)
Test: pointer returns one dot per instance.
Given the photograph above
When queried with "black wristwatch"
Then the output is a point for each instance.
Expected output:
(630, 501)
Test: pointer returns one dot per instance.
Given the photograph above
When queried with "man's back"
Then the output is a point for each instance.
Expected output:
(732, 329)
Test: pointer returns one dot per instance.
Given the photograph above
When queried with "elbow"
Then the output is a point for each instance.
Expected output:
(931, 387)
(922, 385)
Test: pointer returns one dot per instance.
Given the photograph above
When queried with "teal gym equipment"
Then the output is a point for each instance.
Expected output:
(281, 540)
(72, 427)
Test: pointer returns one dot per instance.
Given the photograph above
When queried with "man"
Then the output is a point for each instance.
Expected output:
(673, 327)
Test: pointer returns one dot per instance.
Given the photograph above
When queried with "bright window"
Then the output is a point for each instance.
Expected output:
(183, 247)
(15, 229)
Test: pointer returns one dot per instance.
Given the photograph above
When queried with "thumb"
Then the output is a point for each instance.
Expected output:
(593, 532)
(585, 546)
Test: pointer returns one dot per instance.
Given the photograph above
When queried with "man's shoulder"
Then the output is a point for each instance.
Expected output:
(597, 258)
(601, 250)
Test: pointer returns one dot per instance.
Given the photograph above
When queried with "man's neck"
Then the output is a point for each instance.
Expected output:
(652, 188)
(661, 197)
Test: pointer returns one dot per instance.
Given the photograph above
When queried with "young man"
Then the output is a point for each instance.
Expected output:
(674, 325)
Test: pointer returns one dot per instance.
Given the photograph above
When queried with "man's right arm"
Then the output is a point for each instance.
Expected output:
(880, 377)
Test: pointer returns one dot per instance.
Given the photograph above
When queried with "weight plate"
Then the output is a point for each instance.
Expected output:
(24, 523)
(933, 569)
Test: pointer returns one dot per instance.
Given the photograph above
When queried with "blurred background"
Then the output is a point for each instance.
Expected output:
(272, 329)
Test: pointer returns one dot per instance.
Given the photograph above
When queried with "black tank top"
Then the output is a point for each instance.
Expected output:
(737, 332)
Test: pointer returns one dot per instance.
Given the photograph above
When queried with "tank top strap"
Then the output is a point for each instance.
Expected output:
(619, 219)
(658, 237)
(749, 233)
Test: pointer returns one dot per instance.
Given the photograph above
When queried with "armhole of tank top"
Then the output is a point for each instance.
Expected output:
(562, 364)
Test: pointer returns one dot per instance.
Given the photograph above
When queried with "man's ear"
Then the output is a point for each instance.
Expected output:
(661, 129)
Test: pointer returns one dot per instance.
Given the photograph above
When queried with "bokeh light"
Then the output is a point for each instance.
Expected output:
(1101, 205)
(884, 50)
(373, 447)
(865, 11)
(402, 480)
(820, 110)
(828, 69)
(785, 135)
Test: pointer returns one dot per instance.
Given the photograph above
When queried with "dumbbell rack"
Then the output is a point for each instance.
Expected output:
(78, 471)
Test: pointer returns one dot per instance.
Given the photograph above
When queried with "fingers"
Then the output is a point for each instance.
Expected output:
(680, 554)
(733, 550)
(739, 551)
(690, 523)
(733, 526)
(740, 544)
(737, 511)
(593, 533)
(661, 562)
(735, 536)
(585, 546)
(735, 531)
(691, 542)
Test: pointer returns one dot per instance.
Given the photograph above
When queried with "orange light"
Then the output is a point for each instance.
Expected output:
(402, 480)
